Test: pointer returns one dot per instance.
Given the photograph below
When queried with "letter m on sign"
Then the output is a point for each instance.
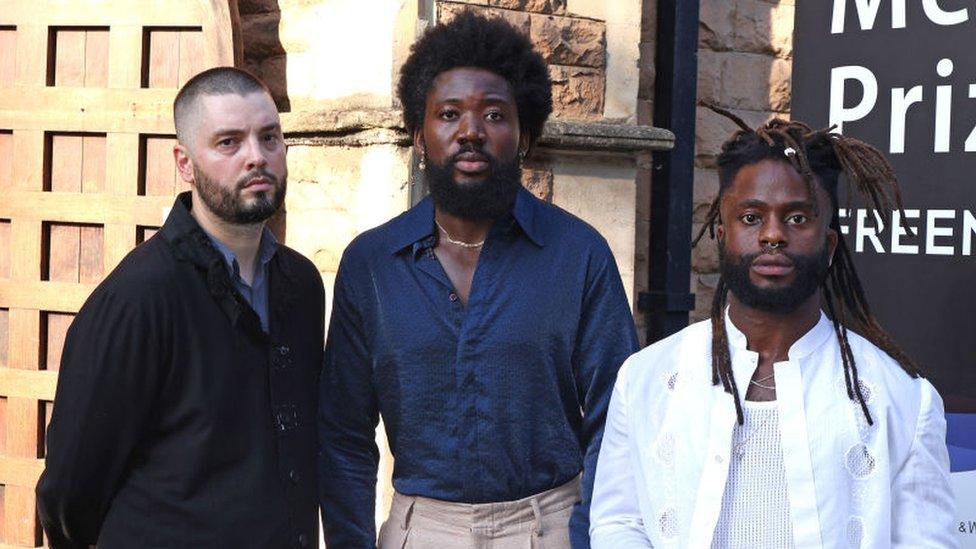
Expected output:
(867, 13)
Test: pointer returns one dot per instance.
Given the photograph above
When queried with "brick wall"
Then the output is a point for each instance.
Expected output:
(745, 54)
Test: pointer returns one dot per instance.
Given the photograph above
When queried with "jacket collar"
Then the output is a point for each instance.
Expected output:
(417, 223)
(190, 243)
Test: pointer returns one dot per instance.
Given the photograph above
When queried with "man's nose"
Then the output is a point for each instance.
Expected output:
(471, 129)
(772, 234)
(256, 155)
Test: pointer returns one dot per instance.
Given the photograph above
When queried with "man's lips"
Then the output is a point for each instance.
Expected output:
(773, 265)
(258, 184)
(471, 163)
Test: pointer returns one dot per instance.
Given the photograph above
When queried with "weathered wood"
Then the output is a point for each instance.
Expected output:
(125, 56)
(6, 154)
(192, 55)
(56, 330)
(64, 242)
(24, 332)
(96, 208)
(96, 58)
(91, 258)
(4, 249)
(69, 58)
(20, 524)
(4, 352)
(161, 174)
(164, 58)
(32, 384)
(25, 248)
(8, 48)
(28, 170)
(45, 296)
(31, 61)
(93, 13)
(87, 109)
(93, 163)
(20, 471)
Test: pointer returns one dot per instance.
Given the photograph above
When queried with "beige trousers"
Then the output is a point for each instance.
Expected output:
(536, 522)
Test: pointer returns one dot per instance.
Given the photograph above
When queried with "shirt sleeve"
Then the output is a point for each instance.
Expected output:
(606, 337)
(615, 518)
(348, 415)
(106, 387)
(923, 506)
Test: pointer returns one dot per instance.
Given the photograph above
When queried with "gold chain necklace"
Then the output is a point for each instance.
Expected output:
(461, 243)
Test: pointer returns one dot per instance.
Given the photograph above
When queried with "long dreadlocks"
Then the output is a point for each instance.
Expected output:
(819, 156)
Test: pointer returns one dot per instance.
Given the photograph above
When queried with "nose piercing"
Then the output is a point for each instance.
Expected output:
(768, 247)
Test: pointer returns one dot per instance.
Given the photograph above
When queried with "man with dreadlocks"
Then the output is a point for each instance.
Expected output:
(484, 325)
(774, 424)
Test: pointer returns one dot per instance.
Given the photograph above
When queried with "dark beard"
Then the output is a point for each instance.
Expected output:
(811, 270)
(488, 199)
(228, 204)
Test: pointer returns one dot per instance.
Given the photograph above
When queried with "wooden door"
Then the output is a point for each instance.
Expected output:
(86, 173)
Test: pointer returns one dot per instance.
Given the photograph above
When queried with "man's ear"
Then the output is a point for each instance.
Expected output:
(419, 147)
(832, 238)
(719, 231)
(184, 165)
(523, 144)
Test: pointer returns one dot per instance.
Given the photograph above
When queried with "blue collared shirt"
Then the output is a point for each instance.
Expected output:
(493, 401)
(256, 294)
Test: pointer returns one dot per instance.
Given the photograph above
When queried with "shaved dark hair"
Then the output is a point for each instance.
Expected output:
(215, 81)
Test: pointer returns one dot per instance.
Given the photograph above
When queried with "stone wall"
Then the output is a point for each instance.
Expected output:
(745, 54)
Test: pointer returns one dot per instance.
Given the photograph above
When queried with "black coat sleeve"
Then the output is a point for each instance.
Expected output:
(107, 383)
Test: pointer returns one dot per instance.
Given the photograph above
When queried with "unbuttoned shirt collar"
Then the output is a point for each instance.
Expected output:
(418, 230)
(256, 294)
(744, 361)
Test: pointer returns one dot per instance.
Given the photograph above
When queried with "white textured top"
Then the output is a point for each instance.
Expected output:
(664, 460)
(756, 505)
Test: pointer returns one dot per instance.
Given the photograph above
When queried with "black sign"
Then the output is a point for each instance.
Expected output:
(901, 75)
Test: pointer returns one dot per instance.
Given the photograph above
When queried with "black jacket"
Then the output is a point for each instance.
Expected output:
(177, 421)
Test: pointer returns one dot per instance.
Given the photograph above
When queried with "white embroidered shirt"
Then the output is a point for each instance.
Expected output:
(664, 462)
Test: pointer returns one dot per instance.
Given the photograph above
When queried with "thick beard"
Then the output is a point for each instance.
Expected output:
(811, 270)
(488, 199)
(229, 205)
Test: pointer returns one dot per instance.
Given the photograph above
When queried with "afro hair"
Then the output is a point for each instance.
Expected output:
(471, 40)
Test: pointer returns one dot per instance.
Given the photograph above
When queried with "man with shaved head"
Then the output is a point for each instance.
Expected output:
(186, 401)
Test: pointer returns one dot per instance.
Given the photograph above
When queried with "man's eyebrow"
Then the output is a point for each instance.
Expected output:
(751, 203)
(488, 98)
(228, 131)
(801, 205)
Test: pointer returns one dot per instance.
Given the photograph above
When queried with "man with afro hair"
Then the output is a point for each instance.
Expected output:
(484, 325)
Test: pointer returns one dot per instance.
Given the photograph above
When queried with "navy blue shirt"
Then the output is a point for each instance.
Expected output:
(493, 401)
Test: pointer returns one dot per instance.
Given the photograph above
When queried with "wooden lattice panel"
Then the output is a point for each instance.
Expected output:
(86, 173)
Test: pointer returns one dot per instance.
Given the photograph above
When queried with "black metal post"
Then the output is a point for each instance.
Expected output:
(669, 298)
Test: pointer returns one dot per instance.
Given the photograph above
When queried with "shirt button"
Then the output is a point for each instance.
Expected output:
(453, 296)
(293, 476)
(302, 540)
(719, 459)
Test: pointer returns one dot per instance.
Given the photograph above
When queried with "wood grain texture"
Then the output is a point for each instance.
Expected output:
(6, 153)
(4, 345)
(8, 56)
(161, 175)
(4, 249)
